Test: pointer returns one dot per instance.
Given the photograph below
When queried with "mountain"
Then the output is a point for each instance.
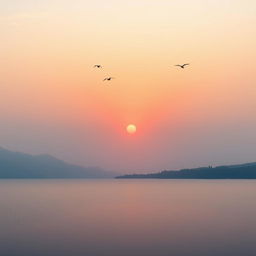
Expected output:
(16, 165)
(241, 171)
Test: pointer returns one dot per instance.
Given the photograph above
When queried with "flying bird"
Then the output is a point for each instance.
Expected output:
(97, 66)
(108, 78)
(182, 66)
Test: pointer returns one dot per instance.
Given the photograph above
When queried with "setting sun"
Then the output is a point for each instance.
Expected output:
(131, 129)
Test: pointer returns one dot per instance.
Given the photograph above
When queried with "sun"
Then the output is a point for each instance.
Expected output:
(131, 128)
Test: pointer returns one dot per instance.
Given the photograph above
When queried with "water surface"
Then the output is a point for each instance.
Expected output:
(127, 217)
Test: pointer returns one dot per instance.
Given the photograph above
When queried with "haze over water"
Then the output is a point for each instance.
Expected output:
(127, 217)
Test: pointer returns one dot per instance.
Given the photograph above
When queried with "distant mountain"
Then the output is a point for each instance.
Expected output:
(241, 171)
(18, 165)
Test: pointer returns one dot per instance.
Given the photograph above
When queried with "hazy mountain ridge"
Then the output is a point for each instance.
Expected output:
(240, 171)
(20, 165)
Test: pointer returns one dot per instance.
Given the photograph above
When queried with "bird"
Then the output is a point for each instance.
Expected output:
(182, 66)
(108, 78)
(97, 66)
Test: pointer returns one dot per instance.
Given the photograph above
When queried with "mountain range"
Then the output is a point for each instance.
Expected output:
(18, 165)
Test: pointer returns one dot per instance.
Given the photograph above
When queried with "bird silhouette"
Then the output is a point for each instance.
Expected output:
(182, 66)
(97, 66)
(108, 78)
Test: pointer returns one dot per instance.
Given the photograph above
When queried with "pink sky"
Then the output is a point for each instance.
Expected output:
(52, 100)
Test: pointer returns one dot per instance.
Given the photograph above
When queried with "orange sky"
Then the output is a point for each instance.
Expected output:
(53, 101)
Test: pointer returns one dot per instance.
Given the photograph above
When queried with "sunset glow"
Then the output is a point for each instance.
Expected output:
(53, 100)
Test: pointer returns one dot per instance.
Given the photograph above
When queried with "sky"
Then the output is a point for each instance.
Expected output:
(53, 101)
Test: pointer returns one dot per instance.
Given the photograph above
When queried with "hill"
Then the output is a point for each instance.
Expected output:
(16, 165)
(241, 171)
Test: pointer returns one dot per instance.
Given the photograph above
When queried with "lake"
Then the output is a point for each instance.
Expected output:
(128, 217)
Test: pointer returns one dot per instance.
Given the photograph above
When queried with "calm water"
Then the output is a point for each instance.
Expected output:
(127, 217)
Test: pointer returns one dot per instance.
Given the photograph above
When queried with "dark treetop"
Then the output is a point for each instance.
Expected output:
(242, 171)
